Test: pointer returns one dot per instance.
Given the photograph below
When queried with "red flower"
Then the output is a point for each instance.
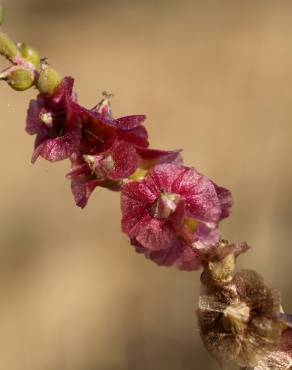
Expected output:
(109, 168)
(173, 208)
(56, 124)
(106, 170)
(100, 131)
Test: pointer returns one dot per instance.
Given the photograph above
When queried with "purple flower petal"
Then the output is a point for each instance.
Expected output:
(129, 122)
(152, 157)
(55, 123)
(225, 199)
(200, 194)
(56, 149)
(179, 255)
(125, 159)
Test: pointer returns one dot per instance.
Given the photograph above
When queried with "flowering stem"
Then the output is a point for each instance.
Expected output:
(170, 212)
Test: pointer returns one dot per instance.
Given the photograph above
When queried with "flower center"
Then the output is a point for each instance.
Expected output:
(100, 165)
(236, 315)
(46, 117)
(165, 206)
(108, 163)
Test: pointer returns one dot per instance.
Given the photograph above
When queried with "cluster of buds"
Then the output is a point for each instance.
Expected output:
(27, 69)
(170, 212)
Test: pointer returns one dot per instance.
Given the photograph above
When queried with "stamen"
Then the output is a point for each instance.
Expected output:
(47, 118)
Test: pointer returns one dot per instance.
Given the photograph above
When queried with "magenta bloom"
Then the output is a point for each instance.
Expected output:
(105, 169)
(56, 124)
(173, 208)
(109, 168)
(100, 131)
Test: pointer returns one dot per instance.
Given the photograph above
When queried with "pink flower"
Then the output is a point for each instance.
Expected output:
(109, 168)
(56, 124)
(105, 169)
(100, 131)
(170, 210)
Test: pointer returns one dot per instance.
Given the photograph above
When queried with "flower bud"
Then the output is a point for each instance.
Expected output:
(29, 54)
(7, 46)
(49, 80)
(1, 14)
(20, 79)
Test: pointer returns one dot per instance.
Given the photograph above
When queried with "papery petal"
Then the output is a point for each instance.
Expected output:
(152, 157)
(136, 194)
(281, 357)
(134, 221)
(33, 123)
(179, 255)
(82, 181)
(82, 190)
(206, 234)
(225, 199)
(56, 149)
(200, 194)
(64, 90)
(162, 177)
(98, 134)
(154, 234)
(137, 136)
(129, 122)
(125, 160)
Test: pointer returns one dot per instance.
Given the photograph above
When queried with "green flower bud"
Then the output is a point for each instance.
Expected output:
(7, 47)
(29, 54)
(1, 14)
(48, 81)
(21, 79)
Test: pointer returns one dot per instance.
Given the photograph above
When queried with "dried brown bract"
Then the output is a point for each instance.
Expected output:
(239, 316)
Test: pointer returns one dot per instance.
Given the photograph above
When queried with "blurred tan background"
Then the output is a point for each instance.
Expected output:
(214, 77)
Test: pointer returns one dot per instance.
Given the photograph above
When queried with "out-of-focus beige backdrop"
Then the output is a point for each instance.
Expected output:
(215, 78)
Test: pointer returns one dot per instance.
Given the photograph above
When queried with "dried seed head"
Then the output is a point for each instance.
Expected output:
(219, 261)
(281, 357)
(222, 270)
(238, 320)
(236, 316)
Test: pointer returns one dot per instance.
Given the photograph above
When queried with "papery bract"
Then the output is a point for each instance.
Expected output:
(99, 131)
(173, 208)
(106, 169)
(56, 124)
